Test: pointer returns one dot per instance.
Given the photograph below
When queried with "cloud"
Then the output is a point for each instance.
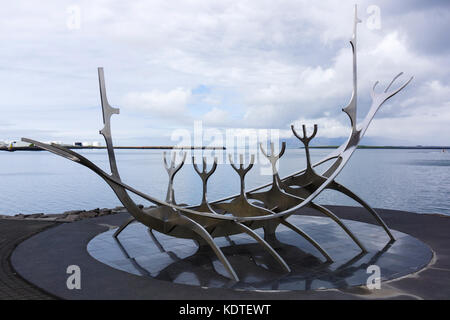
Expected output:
(165, 104)
(265, 65)
(327, 127)
(216, 117)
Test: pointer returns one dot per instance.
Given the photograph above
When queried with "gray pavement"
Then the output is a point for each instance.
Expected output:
(12, 286)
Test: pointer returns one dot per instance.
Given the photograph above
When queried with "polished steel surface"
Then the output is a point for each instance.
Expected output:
(250, 209)
(180, 261)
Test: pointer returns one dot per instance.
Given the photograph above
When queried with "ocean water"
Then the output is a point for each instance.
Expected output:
(40, 182)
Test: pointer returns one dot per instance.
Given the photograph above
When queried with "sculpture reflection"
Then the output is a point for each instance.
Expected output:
(256, 268)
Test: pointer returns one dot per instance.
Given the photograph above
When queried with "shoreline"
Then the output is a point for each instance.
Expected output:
(67, 216)
(76, 215)
(33, 148)
(388, 147)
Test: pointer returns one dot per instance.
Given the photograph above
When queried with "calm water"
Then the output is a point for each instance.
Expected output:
(33, 182)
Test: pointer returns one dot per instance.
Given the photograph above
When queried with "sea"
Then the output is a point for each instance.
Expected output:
(416, 180)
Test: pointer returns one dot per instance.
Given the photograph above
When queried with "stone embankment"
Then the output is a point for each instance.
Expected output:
(68, 216)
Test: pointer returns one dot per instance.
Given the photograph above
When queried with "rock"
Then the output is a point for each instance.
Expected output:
(89, 214)
(71, 212)
(53, 216)
(104, 212)
(48, 218)
(33, 216)
(115, 211)
(70, 218)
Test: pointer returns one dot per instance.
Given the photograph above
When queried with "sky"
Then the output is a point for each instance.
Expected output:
(233, 65)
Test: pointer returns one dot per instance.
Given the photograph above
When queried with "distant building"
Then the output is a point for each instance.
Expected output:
(15, 144)
(87, 144)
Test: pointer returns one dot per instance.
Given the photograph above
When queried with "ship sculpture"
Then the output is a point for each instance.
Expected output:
(266, 207)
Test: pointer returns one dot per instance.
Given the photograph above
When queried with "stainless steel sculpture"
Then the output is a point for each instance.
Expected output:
(238, 214)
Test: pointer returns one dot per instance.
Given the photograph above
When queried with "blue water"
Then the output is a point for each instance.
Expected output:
(34, 182)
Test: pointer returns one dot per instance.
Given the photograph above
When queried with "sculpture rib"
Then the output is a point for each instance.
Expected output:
(338, 187)
(197, 228)
(123, 226)
(339, 222)
(265, 245)
(307, 237)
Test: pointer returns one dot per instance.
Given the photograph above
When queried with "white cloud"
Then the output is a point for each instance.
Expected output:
(268, 63)
(416, 128)
(326, 127)
(165, 104)
(216, 117)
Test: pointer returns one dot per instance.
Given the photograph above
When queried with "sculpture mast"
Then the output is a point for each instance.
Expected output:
(108, 111)
(350, 109)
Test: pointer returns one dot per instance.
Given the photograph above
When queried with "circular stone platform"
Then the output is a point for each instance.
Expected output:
(137, 269)
(155, 255)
